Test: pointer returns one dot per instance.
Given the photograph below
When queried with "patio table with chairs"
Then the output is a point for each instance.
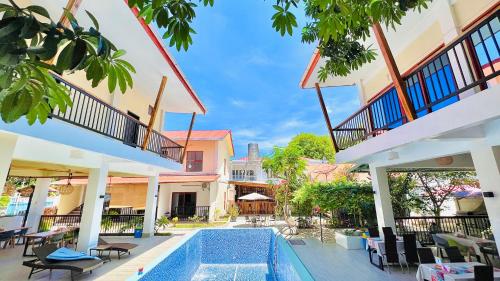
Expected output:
(474, 244)
(40, 238)
(9, 235)
(463, 271)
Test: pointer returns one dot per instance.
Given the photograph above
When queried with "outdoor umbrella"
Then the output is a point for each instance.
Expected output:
(254, 197)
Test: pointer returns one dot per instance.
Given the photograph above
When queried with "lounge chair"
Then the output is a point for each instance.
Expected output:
(41, 263)
(120, 248)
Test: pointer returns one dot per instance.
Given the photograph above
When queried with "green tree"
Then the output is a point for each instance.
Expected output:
(354, 197)
(31, 41)
(404, 193)
(437, 188)
(313, 146)
(285, 164)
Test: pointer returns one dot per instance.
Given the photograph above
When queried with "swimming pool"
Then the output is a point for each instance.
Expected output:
(229, 254)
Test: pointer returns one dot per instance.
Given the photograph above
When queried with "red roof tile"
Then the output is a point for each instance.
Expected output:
(198, 134)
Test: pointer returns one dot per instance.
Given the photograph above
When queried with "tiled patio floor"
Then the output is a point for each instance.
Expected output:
(330, 262)
(11, 268)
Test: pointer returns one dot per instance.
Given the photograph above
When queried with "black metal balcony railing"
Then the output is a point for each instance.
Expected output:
(93, 114)
(424, 226)
(471, 61)
(110, 224)
(183, 213)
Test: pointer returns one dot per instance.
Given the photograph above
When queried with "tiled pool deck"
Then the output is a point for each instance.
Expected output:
(326, 262)
(330, 262)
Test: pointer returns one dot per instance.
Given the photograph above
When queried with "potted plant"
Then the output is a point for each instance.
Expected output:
(233, 212)
(349, 239)
(162, 223)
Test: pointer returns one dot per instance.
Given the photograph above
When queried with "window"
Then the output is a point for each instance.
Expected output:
(194, 161)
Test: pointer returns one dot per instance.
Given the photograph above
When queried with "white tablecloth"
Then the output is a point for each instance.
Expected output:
(469, 241)
(426, 271)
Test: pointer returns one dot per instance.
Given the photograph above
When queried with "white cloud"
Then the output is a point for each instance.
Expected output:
(238, 103)
(275, 141)
(247, 133)
(293, 124)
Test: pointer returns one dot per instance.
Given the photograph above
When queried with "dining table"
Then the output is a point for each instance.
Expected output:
(470, 242)
(458, 271)
(43, 236)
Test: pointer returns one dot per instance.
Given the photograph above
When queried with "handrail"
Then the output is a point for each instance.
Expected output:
(433, 84)
(91, 113)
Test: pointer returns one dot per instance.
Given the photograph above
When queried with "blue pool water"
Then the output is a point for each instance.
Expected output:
(232, 255)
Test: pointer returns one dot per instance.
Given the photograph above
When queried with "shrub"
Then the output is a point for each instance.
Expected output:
(162, 222)
(233, 211)
(175, 220)
(106, 224)
(195, 219)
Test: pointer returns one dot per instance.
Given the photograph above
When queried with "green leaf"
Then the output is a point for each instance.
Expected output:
(65, 57)
(38, 10)
(111, 79)
(93, 19)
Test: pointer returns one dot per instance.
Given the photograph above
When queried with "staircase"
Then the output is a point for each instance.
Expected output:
(76, 211)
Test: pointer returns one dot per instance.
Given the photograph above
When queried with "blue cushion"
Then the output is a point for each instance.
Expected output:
(65, 254)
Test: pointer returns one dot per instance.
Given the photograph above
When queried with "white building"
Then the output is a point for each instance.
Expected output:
(102, 134)
(448, 57)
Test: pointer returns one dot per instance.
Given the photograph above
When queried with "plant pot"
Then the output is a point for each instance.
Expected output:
(348, 242)
(138, 233)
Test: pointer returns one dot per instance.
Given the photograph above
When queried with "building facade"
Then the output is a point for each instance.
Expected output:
(448, 57)
(248, 176)
(103, 134)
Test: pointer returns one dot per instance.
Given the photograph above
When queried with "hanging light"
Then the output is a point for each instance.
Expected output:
(68, 188)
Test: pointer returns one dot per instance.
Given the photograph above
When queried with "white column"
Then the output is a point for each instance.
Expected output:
(213, 200)
(487, 164)
(150, 211)
(37, 204)
(90, 224)
(7, 146)
(383, 204)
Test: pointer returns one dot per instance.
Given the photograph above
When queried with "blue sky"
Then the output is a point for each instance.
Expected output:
(248, 77)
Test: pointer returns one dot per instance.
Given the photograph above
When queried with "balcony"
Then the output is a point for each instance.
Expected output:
(95, 115)
(467, 66)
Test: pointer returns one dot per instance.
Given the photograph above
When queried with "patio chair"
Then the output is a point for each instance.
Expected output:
(121, 248)
(20, 235)
(387, 230)
(57, 239)
(483, 273)
(247, 219)
(8, 238)
(441, 244)
(41, 263)
(454, 254)
(373, 232)
(410, 249)
(487, 251)
(391, 251)
(425, 255)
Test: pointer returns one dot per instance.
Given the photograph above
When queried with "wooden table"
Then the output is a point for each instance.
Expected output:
(43, 236)
(13, 240)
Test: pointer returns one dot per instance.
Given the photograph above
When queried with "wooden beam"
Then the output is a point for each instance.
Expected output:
(71, 6)
(193, 117)
(155, 111)
(397, 80)
(327, 118)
